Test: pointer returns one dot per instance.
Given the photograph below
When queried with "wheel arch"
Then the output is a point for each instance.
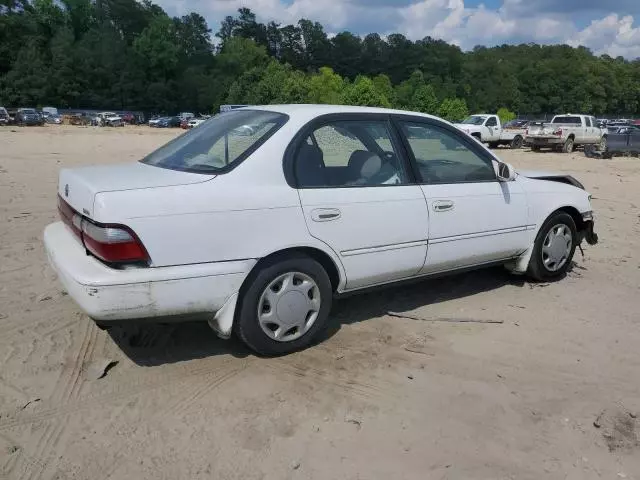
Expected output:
(571, 136)
(520, 265)
(330, 264)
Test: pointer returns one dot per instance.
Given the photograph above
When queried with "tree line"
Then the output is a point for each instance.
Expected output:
(131, 55)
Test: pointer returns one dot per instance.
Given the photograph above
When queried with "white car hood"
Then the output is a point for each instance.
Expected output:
(79, 186)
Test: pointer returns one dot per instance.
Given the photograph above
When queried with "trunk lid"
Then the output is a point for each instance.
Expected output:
(79, 186)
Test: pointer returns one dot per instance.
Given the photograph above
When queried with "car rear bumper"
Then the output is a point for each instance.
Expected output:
(542, 141)
(106, 293)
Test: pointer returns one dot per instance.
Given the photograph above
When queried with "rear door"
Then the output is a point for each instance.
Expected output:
(473, 218)
(357, 196)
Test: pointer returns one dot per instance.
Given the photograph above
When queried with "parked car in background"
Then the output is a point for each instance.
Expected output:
(169, 122)
(54, 119)
(81, 118)
(50, 110)
(257, 233)
(565, 132)
(28, 116)
(487, 128)
(129, 118)
(184, 123)
(623, 140)
(153, 121)
(5, 119)
(186, 115)
(194, 122)
(110, 119)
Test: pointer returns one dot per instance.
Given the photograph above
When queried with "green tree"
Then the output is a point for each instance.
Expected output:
(424, 100)
(453, 109)
(505, 115)
(364, 92)
(325, 87)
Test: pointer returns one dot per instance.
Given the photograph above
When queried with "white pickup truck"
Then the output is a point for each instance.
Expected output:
(487, 128)
(565, 132)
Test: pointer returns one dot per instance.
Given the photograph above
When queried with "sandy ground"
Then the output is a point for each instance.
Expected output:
(379, 398)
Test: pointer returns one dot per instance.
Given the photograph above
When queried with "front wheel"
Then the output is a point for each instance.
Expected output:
(285, 304)
(554, 248)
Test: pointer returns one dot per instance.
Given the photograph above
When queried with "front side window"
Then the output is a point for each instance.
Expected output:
(217, 143)
(492, 122)
(349, 153)
(443, 157)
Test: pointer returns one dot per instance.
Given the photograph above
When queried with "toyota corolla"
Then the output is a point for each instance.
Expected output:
(261, 216)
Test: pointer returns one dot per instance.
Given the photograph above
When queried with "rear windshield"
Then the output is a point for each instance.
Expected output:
(567, 119)
(218, 143)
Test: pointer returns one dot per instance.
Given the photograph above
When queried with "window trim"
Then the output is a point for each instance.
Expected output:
(465, 139)
(283, 119)
(298, 139)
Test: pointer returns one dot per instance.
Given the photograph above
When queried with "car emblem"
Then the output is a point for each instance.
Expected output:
(66, 190)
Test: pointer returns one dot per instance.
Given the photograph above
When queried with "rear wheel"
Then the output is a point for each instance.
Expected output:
(568, 145)
(517, 142)
(285, 304)
(554, 248)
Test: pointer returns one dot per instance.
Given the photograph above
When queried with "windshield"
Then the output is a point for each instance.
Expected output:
(28, 110)
(218, 142)
(474, 120)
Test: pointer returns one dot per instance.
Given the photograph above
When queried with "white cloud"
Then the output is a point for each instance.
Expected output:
(516, 21)
(613, 35)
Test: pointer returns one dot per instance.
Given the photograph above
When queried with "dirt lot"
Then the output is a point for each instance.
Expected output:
(379, 398)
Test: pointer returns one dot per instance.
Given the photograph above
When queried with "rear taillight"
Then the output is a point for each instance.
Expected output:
(112, 243)
(109, 243)
(558, 133)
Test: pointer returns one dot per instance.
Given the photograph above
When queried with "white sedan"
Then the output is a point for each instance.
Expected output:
(259, 217)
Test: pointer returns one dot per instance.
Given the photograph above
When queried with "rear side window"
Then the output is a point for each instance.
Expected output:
(349, 153)
(218, 143)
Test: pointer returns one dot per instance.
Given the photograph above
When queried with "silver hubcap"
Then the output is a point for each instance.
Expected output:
(556, 247)
(289, 306)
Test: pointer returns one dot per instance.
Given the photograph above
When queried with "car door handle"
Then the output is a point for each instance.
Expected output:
(325, 214)
(442, 205)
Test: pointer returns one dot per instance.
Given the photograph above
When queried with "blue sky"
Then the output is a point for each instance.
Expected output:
(611, 27)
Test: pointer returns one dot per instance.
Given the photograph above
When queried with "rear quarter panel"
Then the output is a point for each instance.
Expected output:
(249, 212)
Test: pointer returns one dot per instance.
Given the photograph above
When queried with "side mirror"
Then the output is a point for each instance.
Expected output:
(506, 173)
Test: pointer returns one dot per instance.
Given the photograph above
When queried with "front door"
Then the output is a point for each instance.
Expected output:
(473, 218)
(355, 193)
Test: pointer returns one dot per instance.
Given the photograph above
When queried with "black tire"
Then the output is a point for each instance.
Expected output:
(246, 325)
(537, 269)
(568, 146)
(517, 142)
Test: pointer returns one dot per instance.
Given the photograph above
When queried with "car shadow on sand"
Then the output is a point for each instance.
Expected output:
(150, 344)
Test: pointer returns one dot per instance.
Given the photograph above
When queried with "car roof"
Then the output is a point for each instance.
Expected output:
(310, 110)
